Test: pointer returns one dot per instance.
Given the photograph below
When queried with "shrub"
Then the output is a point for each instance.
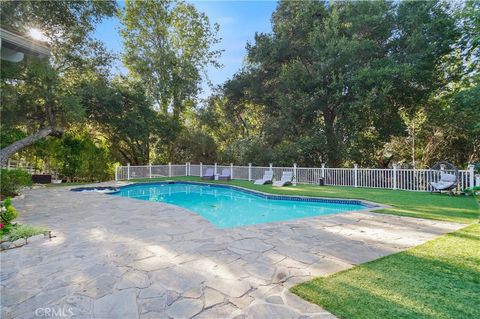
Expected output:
(24, 231)
(7, 212)
(11, 181)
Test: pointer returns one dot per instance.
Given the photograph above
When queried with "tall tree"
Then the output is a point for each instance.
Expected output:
(168, 46)
(340, 72)
(39, 95)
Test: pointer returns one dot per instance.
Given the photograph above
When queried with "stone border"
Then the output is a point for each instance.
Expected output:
(5, 245)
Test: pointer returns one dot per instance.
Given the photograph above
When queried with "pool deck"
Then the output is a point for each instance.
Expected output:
(116, 257)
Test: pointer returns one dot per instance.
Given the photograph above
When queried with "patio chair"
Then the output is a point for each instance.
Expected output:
(267, 178)
(447, 182)
(208, 175)
(287, 178)
(225, 176)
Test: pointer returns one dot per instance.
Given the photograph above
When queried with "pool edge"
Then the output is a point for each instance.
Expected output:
(369, 205)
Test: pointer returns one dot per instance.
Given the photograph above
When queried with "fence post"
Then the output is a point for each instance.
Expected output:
(231, 170)
(169, 169)
(201, 170)
(355, 176)
(323, 170)
(249, 171)
(149, 170)
(215, 169)
(471, 176)
(294, 174)
(128, 171)
(116, 172)
(9, 163)
(186, 168)
(394, 176)
(271, 167)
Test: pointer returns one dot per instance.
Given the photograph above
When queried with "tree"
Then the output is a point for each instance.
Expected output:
(121, 111)
(333, 76)
(168, 46)
(40, 96)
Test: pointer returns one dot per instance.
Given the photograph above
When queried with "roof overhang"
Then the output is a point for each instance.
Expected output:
(14, 47)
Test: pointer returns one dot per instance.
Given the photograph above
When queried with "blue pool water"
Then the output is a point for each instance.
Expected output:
(229, 207)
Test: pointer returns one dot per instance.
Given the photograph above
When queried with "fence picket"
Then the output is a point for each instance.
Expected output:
(391, 178)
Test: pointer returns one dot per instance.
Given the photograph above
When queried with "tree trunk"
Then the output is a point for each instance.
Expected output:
(333, 147)
(11, 149)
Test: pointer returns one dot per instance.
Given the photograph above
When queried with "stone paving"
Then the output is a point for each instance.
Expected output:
(115, 257)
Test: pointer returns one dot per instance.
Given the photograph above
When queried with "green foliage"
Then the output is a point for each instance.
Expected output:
(8, 136)
(340, 82)
(24, 231)
(472, 191)
(346, 81)
(13, 180)
(168, 47)
(46, 93)
(8, 213)
(77, 157)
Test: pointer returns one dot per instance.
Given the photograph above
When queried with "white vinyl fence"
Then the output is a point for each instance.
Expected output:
(25, 166)
(389, 178)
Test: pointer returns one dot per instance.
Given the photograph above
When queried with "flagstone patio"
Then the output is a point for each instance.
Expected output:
(115, 257)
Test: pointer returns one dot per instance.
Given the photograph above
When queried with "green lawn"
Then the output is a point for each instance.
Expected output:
(459, 209)
(439, 279)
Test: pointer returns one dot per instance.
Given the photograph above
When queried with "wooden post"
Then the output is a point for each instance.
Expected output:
(231, 170)
(201, 169)
(249, 171)
(169, 169)
(128, 171)
(215, 169)
(149, 170)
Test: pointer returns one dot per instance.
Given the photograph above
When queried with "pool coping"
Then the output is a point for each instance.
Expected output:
(369, 205)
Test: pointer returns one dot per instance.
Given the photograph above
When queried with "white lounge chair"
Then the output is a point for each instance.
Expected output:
(225, 176)
(447, 182)
(208, 175)
(267, 178)
(287, 178)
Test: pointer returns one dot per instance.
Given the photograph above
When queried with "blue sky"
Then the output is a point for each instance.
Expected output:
(238, 20)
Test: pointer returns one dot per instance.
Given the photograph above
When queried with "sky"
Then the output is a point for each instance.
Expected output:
(238, 20)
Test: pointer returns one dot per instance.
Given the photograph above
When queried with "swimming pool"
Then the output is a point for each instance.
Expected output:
(227, 206)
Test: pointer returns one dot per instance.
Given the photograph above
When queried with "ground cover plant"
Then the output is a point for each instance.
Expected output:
(10, 231)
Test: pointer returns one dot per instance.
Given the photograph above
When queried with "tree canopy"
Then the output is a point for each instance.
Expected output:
(336, 82)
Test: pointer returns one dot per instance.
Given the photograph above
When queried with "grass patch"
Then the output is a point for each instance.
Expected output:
(439, 279)
(458, 209)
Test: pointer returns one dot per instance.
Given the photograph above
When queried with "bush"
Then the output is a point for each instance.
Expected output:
(11, 181)
(7, 212)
